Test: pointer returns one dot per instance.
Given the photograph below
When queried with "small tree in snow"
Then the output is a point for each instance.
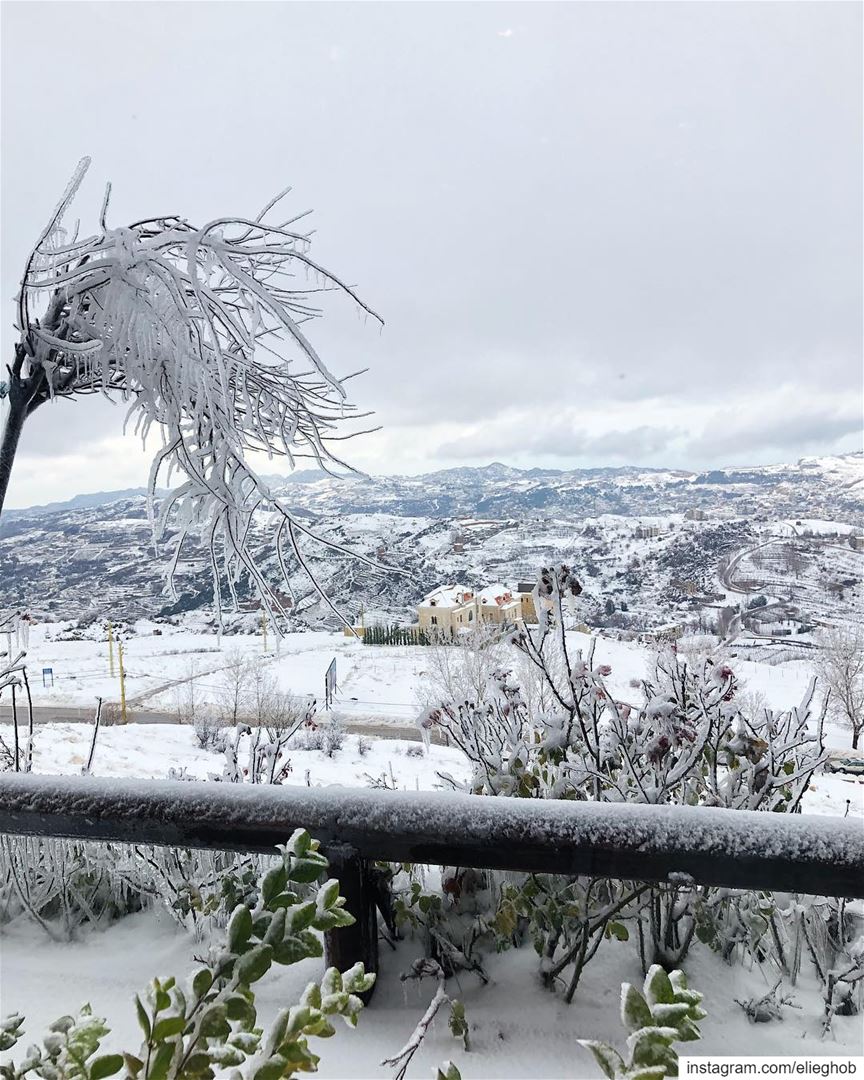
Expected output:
(841, 665)
(461, 670)
(198, 331)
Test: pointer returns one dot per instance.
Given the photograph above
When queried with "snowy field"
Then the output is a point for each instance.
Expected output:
(385, 685)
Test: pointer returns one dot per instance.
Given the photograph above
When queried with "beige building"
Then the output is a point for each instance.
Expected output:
(450, 609)
(447, 609)
(497, 604)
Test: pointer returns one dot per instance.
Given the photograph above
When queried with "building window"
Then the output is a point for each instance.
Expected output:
(470, 616)
(434, 620)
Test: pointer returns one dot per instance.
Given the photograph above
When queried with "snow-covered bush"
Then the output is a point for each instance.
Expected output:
(13, 678)
(334, 735)
(686, 741)
(666, 1012)
(211, 1025)
(67, 886)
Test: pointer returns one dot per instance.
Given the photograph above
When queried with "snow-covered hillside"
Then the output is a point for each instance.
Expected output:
(648, 543)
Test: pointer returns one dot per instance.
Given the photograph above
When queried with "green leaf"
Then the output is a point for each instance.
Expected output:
(300, 842)
(504, 922)
(301, 917)
(134, 1065)
(658, 988)
(214, 1023)
(312, 943)
(106, 1065)
(284, 900)
(305, 871)
(273, 883)
(167, 1028)
(652, 1046)
(237, 1007)
(328, 894)
(670, 1015)
(272, 1069)
(276, 930)
(161, 1062)
(617, 930)
(635, 1013)
(202, 982)
(333, 918)
(198, 1065)
(143, 1018)
(254, 964)
(607, 1057)
(239, 928)
(291, 951)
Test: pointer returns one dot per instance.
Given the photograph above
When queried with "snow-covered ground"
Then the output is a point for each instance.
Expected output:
(149, 751)
(517, 1028)
(382, 683)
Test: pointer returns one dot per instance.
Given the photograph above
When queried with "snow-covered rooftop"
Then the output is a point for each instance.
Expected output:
(447, 596)
(495, 594)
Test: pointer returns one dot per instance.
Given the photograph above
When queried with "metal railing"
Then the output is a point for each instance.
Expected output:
(657, 844)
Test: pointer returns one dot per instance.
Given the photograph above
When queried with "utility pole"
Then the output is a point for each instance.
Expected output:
(111, 649)
(122, 684)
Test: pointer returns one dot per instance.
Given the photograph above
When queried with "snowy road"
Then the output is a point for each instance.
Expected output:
(398, 728)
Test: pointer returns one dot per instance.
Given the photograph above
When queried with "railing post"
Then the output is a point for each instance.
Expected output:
(347, 945)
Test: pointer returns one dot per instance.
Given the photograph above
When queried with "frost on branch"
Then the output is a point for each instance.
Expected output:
(199, 331)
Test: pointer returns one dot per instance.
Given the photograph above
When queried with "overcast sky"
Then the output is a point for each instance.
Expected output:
(598, 233)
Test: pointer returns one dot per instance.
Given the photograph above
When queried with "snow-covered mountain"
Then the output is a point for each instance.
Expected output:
(826, 486)
(94, 554)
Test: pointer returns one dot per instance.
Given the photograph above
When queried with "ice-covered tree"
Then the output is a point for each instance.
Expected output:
(842, 667)
(198, 330)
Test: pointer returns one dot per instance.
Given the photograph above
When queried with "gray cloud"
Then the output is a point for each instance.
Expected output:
(634, 210)
(783, 433)
(560, 439)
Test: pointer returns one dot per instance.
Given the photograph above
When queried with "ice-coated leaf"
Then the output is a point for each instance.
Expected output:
(607, 1057)
(254, 965)
(635, 1013)
(658, 988)
(239, 928)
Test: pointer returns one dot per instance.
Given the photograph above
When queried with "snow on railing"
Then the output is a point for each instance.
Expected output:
(735, 848)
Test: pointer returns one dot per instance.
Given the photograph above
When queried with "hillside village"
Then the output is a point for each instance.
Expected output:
(639, 572)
